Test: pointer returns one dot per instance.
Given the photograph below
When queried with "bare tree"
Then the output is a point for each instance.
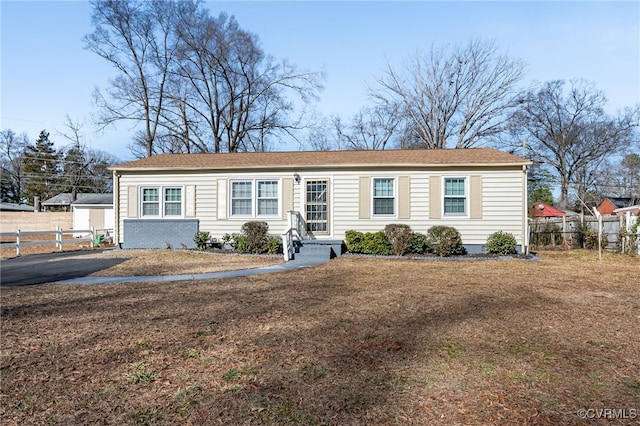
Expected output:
(370, 128)
(12, 148)
(454, 96)
(571, 133)
(137, 38)
(83, 169)
(238, 93)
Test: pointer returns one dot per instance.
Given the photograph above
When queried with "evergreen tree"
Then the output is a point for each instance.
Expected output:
(75, 172)
(41, 168)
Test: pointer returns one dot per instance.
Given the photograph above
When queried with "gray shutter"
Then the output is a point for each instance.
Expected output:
(435, 197)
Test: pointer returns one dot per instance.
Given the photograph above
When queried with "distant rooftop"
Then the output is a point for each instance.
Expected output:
(65, 199)
(12, 207)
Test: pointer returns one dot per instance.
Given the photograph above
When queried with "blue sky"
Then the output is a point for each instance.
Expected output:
(46, 74)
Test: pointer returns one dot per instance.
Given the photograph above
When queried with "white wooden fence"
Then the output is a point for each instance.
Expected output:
(59, 233)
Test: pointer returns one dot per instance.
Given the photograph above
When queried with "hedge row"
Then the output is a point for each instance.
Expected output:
(399, 240)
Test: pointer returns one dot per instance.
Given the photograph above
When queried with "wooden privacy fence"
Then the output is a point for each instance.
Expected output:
(572, 232)
(94, 236)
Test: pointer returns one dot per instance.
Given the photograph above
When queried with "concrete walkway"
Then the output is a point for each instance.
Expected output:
(286, 266)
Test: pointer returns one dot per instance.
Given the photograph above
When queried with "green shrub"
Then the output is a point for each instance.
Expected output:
(399, 236)
(201, 239)
(274, 245)
(254, 239)
(591, 239)
(502, 243)
(257, 235)
(419, 243)
(238, 242)
(376, 243)
(446, 240)
(629, 239)
(354, 241)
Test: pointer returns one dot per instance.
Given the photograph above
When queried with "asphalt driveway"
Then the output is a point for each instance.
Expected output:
(51, 267)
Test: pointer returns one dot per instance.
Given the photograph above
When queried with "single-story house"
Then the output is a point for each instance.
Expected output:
(94, 211)
(608, 206)
(165, 199)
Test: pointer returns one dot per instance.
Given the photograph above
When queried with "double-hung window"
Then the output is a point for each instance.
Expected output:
(384, 196)
(151, 202)
(172, 201)
(254, 198)
(267, 197)
(162, 202)
(241, 198)
(455, 197)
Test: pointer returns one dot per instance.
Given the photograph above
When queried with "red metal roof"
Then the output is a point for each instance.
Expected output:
(545, 210)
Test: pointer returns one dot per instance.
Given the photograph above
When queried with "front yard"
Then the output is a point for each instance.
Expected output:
(353, 341)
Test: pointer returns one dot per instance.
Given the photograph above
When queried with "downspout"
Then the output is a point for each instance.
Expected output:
(116, 208)
(525, 218)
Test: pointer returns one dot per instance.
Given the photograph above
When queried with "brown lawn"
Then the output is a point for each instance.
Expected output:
(175, 262)
(355, 341)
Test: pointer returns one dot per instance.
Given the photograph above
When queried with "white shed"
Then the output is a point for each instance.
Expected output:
(94, 210)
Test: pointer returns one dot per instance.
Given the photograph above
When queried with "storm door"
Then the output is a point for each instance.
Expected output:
(316, 206)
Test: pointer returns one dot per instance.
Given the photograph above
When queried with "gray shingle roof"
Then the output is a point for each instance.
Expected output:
(65, 199)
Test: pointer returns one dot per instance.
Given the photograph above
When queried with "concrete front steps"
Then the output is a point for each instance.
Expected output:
(314, 250)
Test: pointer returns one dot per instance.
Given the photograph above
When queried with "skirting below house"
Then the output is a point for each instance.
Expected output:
(159, 233)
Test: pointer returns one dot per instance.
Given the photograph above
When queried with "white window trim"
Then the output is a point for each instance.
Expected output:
(254, 199)
(395, 196)
(466, 213)
(161, 201)
(230, 214)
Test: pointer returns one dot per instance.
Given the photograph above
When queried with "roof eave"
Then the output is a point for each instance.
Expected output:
(319, 166)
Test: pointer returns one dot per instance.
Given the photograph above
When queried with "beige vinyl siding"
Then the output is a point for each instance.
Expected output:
(501, 207)
(352, 201)
(211, 198)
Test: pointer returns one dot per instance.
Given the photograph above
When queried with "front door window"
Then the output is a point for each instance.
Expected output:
(316, 207)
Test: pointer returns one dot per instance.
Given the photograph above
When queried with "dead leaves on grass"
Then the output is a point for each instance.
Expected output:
(354, 341)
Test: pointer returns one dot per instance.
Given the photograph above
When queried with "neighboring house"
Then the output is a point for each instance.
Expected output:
(89, 209)
(542, 210)
(12, 207)
(610, 204)
(165, 199)
(58, 203)
(93, 211)
(633, 210)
